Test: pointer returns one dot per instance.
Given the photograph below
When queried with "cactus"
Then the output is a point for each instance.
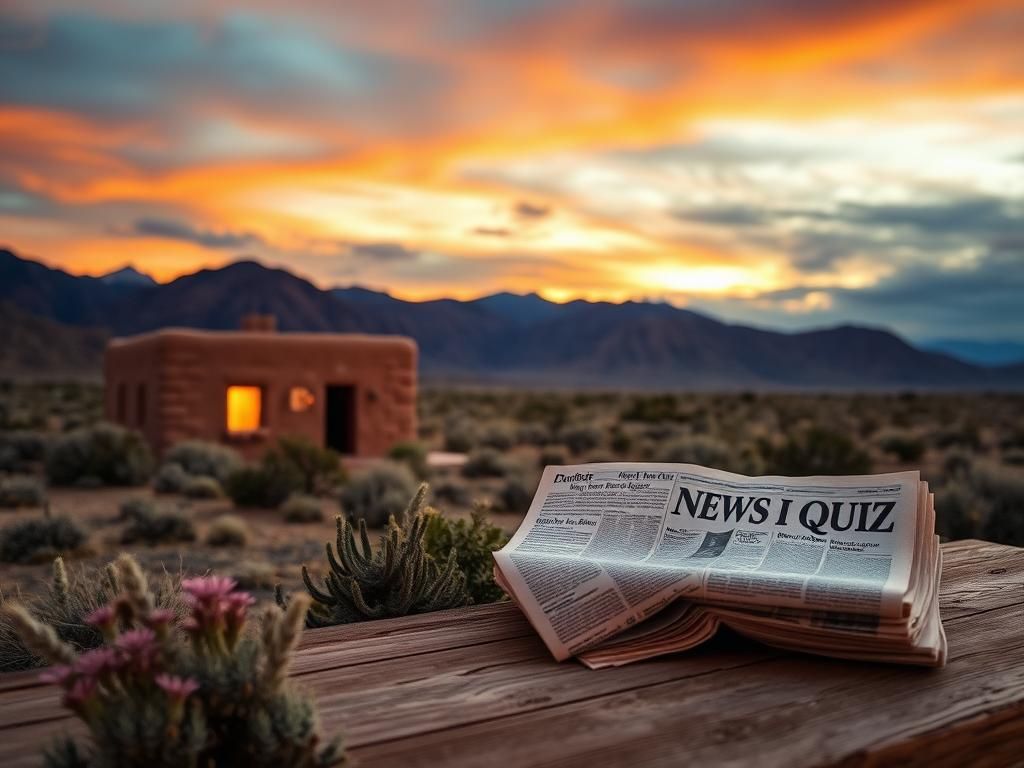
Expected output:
(210, 692)
(395, 579)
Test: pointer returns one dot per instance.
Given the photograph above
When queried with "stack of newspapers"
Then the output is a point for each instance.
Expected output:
(616, 563)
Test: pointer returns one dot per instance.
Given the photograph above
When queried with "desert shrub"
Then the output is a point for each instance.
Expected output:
(396, 578)
(485, 462)
(552, 456)
(200, 458)
(228, 531)
(473, 541)
(818, 451)
(957, 512)
(22, 450)
(452, 491)
(151, 525)
(302, 508)
(620, 441)
(652, 409)
(213, 691)
(696, 449)
(262, 486)
(904, 445)
(459, 436)
(497, 435)
(170, 478)
(1002, 491)
(21, 491)
(533, 434)
(957, 462)
(582, 438)
(962, 435)
(378, 493)
(28, 541)
(318, 469)
(411, 453)
(103, 454)
(69, 599)
(203, 488)
(516, 493)
(1014, 457)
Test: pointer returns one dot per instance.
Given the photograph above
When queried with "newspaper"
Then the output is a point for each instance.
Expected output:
(813, 559)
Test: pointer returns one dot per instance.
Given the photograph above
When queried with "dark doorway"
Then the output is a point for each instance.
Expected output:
(340, 419)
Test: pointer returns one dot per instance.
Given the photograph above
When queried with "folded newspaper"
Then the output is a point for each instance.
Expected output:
(615, 563)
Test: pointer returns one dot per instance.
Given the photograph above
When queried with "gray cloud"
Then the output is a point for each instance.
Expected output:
(172, 229)
(492, 231)
(527, 210)
(389, 252)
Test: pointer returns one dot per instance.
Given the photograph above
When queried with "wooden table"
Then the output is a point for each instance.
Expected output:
(475, 687)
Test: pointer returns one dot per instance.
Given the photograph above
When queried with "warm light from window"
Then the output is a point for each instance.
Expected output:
(244, 406)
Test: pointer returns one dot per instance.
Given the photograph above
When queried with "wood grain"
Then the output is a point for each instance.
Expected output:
(475, 687)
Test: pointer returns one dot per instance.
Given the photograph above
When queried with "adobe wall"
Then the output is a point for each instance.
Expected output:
(191, 370)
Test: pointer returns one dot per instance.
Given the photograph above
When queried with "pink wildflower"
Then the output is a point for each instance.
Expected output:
(97, 662)
(60, 675)
(80, 692)
(139, 647)
(177, 687)
(208, 589)
(102, 617)
(160, 616)
(237, 602)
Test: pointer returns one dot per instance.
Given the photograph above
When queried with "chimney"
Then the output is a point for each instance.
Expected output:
(255, 322)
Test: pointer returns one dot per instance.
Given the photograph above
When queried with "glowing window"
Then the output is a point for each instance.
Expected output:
(245, 405)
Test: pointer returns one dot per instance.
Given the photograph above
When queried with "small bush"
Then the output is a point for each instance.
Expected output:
(378, 493)
(29, 541)
(696, 449)
(473, 541)
(171, 478)
(203, 488)
(104, 454)
(904, 445)
(411, 453)
(957, 512)
(533, 434)
(200, 458)
(497, 435)
(262, 486)
(318, 470)
(137, 506)
(459, 436)
(154, 527)
(21, 491)
(21, 451)
(300, 508)
(581, 439)
(552, 456)
(228, 531)
(453, 492)
(516, 494)
(485, 462)
(819, 451)
(1014, 457)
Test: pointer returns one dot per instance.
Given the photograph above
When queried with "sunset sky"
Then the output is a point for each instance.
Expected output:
(791, 164)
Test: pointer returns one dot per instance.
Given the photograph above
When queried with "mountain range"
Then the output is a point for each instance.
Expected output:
(504, 338)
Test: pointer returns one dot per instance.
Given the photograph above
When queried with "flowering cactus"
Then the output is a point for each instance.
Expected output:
(210, 692)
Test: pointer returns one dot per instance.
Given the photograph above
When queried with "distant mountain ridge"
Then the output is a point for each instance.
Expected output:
(506, 338)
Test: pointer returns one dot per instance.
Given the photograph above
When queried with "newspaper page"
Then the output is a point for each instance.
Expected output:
(604, 546)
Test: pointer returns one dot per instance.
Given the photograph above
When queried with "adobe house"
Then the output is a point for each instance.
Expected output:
(354, 393)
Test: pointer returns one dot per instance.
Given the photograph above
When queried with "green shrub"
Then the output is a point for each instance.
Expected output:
(396, 578)
(958, 512)
(473, 541)
(171, 478)
(21, 491)
(137, 506)
(212, 692)
(485, 462)
(582, 438)
(533, 434)
(696, 449)
(411, 453)
(21, 451)
(203, 488)
(104, 454)
(452, 491)
(154, 526)
(200, 458)
(66, 604)
(904, 445)
(228, 531)
(378, 493)
(459, 436)
(497, 435)
(318, 469)
(1002, 490)
(1013, 457)
(300, 508)
(262, 486)
(516, 494)
(653, 409)
(819, 451)
(552, 456)
(28, 541)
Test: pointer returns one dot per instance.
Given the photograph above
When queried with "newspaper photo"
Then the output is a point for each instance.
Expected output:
(604, 547)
